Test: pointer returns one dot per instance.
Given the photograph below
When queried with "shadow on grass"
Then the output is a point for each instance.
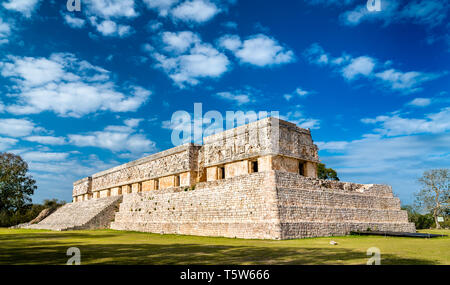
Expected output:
(50, 248)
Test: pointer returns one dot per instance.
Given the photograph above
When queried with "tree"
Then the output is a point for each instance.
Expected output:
(434, 196)
(326, 173)
(16, 185)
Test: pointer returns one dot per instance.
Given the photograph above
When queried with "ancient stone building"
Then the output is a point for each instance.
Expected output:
(255, 181)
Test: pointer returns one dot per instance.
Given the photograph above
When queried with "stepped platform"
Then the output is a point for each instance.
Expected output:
(86, 215)
(266, 205)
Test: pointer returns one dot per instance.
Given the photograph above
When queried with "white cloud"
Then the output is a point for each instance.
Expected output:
(396, 125)
(299, 92)
(198, 11)
(179, 42)
(48, 140)
(420, 102)
(188, 59)
(332, 146)
(116, 138)
(154, 25)
(74, 22)
(407, 81)
(16, 127)
(39, 156)
(5, 32)
(66, 86)
(259, 50)
(396, 152)
(362, 65)
(297, 117)
(237, 97)
(26, 7)
(6, 143)
(368, 67)
(111, 8)
(112, 29)
(161, 6)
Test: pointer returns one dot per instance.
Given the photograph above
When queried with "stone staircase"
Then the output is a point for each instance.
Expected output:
(86, 215)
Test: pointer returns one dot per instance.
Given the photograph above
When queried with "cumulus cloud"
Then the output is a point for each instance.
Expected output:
(362, 65)
(66, 86)
(161, 6)
(74, 22)
(187, 60)
(26, 7)
(115, 138)
(197, 11)
(111, 29)
(16, 127)
(106, 16)
(259, 50)
(111, 8)
(352, 68)
(190, 11)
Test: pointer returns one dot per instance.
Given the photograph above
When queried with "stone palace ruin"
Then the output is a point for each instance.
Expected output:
(255, 181)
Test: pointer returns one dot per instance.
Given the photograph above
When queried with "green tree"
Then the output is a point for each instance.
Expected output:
(326, 173)
(420, 221)
(434, 196)
(16, 185)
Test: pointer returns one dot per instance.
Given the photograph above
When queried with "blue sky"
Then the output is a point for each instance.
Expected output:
(85, 91)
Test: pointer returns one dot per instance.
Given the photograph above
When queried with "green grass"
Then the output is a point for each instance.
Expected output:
(20, 246)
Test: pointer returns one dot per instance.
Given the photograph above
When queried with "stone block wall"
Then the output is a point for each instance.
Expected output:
(243, 206)
(264, 205)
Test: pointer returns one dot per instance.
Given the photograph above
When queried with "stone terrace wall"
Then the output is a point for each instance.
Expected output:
(176, 160)
(312, 207)
(265, 205)
(243, 207)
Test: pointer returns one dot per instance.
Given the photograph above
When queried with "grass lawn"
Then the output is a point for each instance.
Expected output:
(20, 246)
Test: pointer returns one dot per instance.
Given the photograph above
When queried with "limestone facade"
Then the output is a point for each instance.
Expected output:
(255, 181)
(268, 144)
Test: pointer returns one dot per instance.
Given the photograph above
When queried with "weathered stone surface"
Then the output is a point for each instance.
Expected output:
(254, 206)
(86, 215)
(254, 181)
(42, 215)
